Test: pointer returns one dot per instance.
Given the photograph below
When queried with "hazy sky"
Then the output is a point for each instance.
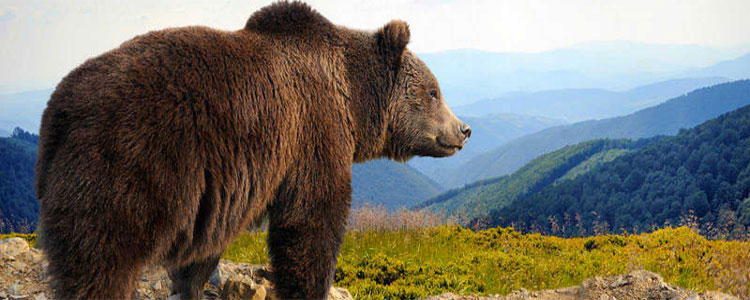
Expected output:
(40, 41)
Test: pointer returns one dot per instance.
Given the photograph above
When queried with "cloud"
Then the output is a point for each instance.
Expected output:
(45, 39)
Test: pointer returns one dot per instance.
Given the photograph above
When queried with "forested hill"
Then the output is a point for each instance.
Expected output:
(704, 171)
(18, 204)
(664, 119)
(391, 184)
(477, 199)
(380, 182)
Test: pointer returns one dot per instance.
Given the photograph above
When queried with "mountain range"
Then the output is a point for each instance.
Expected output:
(379, 182)
(476, 199)
(529, 100)
(575, 105)
(666, 118)
(468, 75)
(391, 184)
(702, 175)
(488, 132)
(709, 154)
(23, 110)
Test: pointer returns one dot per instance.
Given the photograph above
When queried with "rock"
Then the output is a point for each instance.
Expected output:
(222, 273)
(12, 247)
(716, 296)
(632, 286)
(175, 297)
(260, 294)
(339, 294)
(35, 255)
(242, 287)
(619, 282)
(14, 289)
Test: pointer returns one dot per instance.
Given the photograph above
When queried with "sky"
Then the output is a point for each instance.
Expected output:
(42, 40)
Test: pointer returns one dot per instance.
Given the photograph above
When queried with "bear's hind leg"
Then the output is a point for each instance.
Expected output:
(89, 255)
(189, 280)
(103, 273)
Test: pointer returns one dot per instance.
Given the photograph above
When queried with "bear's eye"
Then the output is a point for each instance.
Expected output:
(433, 95)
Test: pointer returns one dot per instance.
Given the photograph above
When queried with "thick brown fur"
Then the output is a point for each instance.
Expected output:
(164, 149)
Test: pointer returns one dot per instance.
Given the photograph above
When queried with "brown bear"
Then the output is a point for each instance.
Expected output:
(164, 149)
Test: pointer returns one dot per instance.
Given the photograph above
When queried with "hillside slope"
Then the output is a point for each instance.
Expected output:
(380, 182)
(23, 109)
(575, 105)
(18, 205)
(704, 171)
(488, 132)
(391, 184)
(738, 68)
(664, 119)
(476, 199)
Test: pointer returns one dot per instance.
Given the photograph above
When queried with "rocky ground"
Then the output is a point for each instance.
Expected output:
(22, 277)
(634, 285)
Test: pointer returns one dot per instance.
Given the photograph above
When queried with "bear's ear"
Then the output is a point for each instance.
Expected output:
(392, 39)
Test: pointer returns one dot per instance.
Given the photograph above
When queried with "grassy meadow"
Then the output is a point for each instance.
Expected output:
(417, 262)
(409, 255)
(412, 254)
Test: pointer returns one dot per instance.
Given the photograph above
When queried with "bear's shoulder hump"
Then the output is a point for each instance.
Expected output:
(285, 16)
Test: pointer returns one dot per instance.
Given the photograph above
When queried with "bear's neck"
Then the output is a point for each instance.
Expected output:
(370, 81)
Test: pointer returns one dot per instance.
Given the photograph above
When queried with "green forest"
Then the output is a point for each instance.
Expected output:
(701, 176)
(18, 204)
(475, 199)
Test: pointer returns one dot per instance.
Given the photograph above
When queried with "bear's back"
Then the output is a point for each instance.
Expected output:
(152, 90)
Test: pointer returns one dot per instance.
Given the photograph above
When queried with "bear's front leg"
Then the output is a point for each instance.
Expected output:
(307, 224)
(188, 280)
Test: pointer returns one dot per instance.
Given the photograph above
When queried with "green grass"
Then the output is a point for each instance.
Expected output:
(29, 237)
(420, 262)
(417, 263)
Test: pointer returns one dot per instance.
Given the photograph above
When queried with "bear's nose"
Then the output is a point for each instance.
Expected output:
(465, 129)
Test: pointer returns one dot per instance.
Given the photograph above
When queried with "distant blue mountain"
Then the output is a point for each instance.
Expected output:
(469, 75)
(575, 105)
(738, 68)
(666, 118)
(23, 110)
(391, 184)
(488, 132)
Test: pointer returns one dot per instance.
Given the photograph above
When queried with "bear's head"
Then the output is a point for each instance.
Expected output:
(419, 120)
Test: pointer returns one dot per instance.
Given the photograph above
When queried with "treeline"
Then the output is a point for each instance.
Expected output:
(701, 177)
(19, 207)
(478, 198)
